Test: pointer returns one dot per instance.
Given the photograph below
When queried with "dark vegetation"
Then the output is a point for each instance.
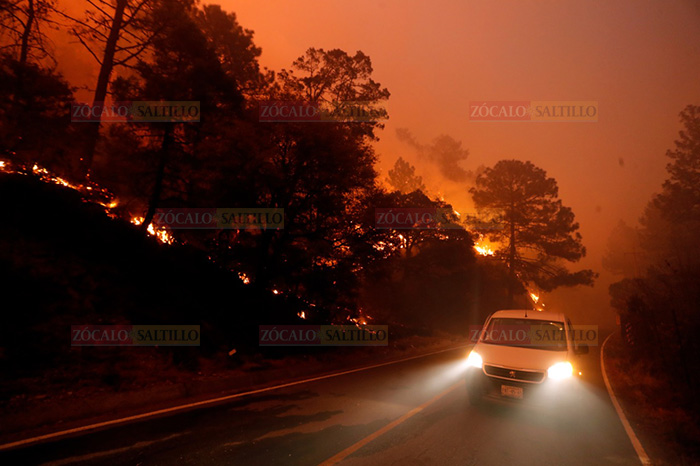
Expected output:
(658, 299)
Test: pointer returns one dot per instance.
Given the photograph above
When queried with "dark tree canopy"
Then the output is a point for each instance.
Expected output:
(403, 177)
(671, 221)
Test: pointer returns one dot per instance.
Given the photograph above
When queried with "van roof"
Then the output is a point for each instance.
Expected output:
(530, 314)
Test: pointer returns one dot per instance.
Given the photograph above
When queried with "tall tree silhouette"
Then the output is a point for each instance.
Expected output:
(22, 29)
(183, 67)
(539, 231)
(33, 95)
(671, 221)
(123, 30)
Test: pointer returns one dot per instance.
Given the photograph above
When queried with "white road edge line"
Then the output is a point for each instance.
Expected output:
(643, 457)
(114, 422)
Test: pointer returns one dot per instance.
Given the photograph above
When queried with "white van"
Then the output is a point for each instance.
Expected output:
(523, 355)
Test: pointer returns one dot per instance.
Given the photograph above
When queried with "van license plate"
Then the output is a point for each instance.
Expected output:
(512, 392)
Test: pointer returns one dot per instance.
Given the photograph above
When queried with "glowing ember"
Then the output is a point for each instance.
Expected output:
(534, 297)
(276, 292)
(358, 321)
(244, 278)
(44, 173)
(363, 319)
(379, 246)
(404, 242)
(302, 314)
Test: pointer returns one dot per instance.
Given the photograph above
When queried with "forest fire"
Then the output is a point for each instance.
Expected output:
(536, 300)
(207, 198)
(483, 249)
(244, 278)
(44, 173)
(90, 192)
(162, 235)
(404, 242)
(360, 321)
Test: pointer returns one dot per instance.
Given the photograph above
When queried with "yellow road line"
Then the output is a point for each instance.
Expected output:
(353, 448)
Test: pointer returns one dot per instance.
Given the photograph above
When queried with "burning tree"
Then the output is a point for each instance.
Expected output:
(539, 232)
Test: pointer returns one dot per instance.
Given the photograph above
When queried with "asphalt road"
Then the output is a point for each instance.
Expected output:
(411, 413)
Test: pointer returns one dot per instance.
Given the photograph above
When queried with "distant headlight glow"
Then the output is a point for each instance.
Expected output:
(474, 360)
(560, 370)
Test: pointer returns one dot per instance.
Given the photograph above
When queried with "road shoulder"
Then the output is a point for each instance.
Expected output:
(665, 432)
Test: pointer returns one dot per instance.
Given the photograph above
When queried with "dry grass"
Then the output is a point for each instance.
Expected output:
(663, 408)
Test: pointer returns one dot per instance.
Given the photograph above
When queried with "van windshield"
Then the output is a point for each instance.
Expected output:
(526, 333)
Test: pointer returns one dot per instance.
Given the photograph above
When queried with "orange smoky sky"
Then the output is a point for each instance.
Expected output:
(639, 59)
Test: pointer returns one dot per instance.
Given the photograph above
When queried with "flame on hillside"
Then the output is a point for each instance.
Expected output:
(90, 191)
(162, 235)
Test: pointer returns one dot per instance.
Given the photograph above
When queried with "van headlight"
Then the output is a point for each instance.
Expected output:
(560, 370)
(474, 360)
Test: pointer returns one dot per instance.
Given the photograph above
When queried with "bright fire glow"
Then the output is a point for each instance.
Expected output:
(404, 241)
(302, 314)
(162, 235)
(483, 249)
(536, 299)
(244, 278)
